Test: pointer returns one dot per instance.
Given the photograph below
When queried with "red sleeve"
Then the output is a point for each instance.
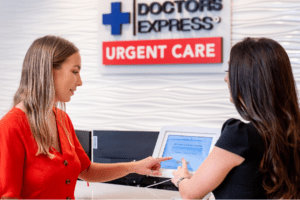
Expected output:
(83, 157)
(12, 155)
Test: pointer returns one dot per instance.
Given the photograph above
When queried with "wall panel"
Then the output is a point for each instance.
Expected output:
(127, 102)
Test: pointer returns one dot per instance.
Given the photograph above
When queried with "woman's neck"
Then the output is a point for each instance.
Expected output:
(21, 107)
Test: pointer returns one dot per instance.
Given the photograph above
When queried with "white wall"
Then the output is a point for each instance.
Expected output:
(127, 102)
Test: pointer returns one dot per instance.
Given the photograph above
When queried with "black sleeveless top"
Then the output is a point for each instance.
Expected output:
(245, 180)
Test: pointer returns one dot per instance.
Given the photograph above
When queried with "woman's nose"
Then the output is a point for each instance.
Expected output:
(79, 81)
(226, 78)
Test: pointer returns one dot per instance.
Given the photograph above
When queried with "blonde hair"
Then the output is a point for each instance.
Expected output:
(36, 89)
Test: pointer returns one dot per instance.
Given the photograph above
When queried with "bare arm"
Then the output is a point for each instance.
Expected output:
(105, 172)
(98, 172)
(209, 175)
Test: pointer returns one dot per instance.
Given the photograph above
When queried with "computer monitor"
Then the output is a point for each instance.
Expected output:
(85, 139)
(122, 146)
(125, 146)
(192, 143)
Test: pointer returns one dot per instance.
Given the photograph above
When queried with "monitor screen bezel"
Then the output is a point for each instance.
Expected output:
(184, 131)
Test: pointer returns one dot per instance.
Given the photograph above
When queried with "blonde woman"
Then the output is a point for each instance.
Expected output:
(40, 155)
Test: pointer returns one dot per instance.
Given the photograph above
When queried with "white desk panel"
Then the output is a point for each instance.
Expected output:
(113, 191)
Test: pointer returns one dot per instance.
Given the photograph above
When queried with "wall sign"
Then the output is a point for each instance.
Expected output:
(164, 37)
(168, 51)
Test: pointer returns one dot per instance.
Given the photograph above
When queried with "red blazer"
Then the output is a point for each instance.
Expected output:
(25, 175)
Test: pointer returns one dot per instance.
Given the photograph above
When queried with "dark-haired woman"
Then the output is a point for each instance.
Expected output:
(40, 155)
(261, 158)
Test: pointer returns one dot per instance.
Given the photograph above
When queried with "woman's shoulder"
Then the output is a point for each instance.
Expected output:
(238, 127)
(13, 117)
(14, 125)
(238, 136)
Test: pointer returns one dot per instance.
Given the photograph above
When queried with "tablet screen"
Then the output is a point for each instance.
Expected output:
(192, 148)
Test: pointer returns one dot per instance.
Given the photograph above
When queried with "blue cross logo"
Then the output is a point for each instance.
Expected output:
(116, 18)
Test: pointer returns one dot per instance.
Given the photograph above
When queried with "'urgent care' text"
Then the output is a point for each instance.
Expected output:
(172, 51)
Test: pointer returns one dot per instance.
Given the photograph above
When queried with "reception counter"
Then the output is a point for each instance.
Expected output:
(114, 191)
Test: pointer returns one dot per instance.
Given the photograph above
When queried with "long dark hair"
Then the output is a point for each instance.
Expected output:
(263, 91)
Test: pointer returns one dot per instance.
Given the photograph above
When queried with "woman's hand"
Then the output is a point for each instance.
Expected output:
(149, 166)
(181, 172)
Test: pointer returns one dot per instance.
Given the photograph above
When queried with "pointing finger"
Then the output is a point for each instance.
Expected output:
(163, 159)
(184, 164)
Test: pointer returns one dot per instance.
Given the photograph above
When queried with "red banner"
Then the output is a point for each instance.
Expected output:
(170, 51)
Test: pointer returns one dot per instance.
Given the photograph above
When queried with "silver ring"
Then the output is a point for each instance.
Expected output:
(151, 171)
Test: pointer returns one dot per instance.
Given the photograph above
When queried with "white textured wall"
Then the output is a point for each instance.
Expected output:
(135, 102)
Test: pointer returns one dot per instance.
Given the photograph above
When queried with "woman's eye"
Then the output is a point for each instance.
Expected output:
(75, 72)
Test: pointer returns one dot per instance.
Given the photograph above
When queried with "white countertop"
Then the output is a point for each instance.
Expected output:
(114, 191)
